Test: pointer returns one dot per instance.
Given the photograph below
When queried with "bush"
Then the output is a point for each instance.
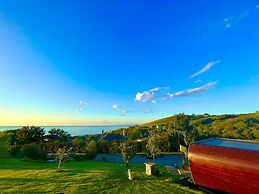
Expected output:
(157, 172)
(15, 151)
(33, 152)
(90, 155)
(91, 150)
(79, 157)
(5, 143)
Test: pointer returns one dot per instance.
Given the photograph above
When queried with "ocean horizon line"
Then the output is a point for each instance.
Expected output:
(67, 125)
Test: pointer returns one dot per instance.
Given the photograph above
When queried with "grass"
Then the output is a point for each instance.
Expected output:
(24, 176)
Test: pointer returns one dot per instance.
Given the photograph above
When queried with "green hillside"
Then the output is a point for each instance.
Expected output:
(237, 126)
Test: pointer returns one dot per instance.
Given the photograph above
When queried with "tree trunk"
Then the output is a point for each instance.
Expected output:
(59, 163)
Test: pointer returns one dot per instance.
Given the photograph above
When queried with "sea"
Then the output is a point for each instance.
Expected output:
(76, 130)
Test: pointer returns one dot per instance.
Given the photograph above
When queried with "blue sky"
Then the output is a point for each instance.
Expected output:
(118, 62)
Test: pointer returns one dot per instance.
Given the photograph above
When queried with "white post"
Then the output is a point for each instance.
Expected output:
(129, 174)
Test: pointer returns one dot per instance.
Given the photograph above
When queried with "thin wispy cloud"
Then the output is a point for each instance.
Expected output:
(227, 21)
(149, 110)
(154, 101)
(124, 111)
(205, 68)
(198, 81)
(81, 107)
(192, 91)
(165, 95)
(232, 20)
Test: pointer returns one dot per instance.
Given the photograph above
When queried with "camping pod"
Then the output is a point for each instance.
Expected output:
(225, 165)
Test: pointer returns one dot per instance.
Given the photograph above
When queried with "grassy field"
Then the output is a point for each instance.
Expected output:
(23, 176)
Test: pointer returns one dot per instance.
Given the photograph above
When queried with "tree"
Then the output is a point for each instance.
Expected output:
(58, 134)
(61, 155)
(182, 122)
(102, 146)
(27, 135)
(189, 137)
(78, 145)
(5, 143)
(23, 136)
(91, 150)
(127, 151)
(36, 134)
(153, 145)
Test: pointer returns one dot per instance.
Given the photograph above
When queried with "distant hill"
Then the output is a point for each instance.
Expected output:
(238, 126)
(204, 119)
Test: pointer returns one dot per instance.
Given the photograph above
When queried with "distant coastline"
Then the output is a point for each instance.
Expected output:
(76, 130)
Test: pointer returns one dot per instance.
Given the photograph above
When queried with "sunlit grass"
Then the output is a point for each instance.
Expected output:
(21, 176)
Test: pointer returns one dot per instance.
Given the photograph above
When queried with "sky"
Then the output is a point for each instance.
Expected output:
(126, 62)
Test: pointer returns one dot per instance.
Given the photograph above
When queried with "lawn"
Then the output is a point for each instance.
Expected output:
(24, 176)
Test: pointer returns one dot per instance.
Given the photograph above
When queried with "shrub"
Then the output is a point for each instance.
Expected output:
(90, 155)
(33, 152)
(91, 150)
(79, 157)
(5, 143)
(15, 151)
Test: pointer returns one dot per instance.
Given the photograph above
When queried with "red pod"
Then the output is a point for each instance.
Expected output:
(226, 165)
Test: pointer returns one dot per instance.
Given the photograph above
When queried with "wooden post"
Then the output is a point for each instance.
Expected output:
(150, 168)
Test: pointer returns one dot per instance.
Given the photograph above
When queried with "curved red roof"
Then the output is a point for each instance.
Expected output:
(226, 165)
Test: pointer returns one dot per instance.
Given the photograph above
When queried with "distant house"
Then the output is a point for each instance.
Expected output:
(113, 137)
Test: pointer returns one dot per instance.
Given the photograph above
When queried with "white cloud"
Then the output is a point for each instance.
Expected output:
(81, 107)
(257, 6)
(155, 89)
(205, 68)
(165, 95)
(138, 96)
(194, 90)
(153, 101)
(122, 110)
(115, 107)
(232, 20)
(144, 97)
(151, 95)
(228, 21)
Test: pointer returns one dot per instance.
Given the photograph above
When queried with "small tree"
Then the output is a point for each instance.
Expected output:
(127, 152)
(62, 155)
(153, 145)
(5, 143)
(188, 138)
(91, 150)
(78, 145)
